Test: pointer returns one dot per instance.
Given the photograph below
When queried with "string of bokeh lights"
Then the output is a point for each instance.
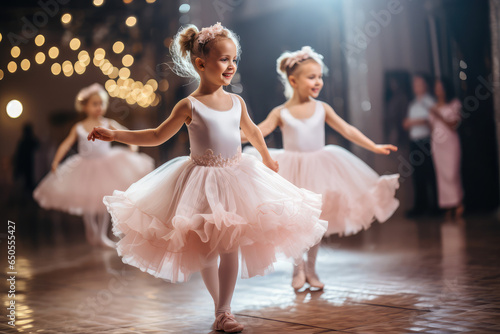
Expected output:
(120, 84)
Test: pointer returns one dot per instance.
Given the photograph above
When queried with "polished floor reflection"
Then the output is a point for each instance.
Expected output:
(403, 276)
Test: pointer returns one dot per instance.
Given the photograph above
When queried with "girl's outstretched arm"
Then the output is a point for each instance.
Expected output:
(272, 121)
(353, 134)
(114, 125)
(149, 137)
(254, 135)
(64, 147)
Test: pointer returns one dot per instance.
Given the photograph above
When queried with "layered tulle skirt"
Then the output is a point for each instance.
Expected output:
(80, 183)
(354, 195)
(177, 218)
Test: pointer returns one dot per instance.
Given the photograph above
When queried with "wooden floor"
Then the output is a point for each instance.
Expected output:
(403, 276)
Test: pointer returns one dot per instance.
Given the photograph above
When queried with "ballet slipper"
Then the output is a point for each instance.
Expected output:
(313, 280)
(299, 276)
(227, 322)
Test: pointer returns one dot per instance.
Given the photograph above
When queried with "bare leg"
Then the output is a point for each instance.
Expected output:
(103, 231)
(90, 228)
(228, 274)
(210, 277)
(311, 276)
(299, 276)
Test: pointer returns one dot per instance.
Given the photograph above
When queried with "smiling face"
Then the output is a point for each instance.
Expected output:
(219, 66)
(94, 106)
(307, 80)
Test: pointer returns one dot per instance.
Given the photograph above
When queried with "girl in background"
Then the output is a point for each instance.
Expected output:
(216, 203)
(78, 185)
(353, 194)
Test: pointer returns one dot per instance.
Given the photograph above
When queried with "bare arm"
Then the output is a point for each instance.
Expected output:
(149, 137)
(64, 147)
(452, 125)
(353, 134)
(114, 125)
(268, 125)
(254, 135)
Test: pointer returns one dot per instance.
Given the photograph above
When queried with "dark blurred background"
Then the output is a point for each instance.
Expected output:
(365, 43)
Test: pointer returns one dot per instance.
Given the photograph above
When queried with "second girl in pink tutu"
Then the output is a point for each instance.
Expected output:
(354, 195)
(216, 203)
(78, 184)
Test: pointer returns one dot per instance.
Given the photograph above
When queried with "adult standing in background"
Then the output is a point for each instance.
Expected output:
(418, 127)
(445, 143)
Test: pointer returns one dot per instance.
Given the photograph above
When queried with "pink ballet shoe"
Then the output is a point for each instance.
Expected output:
(299, 276)
(227, 322)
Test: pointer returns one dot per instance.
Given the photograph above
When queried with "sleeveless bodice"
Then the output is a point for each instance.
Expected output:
(214, 136)
(91, 149)
(303, 135)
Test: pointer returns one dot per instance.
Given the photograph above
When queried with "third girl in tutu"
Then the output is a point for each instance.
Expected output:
(353, 194)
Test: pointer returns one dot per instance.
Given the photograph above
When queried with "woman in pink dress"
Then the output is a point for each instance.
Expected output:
(444, 119)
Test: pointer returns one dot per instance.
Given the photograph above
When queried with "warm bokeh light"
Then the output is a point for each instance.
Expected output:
(150, 1)
(163, 86)
(79, 67)
(118, 47)
(66, 18)
(67, 68)
(55, 68)
(40, 58)
(156, 100)
(127, 60)
(75, 43)
(114, 73)
(15, 51)
(124, 73)
(99, 54)
(14, 109)
(39, 40)
(1, 74)
(98, 3)
(53, 52)
(1, 37)
(127, 1)
(106, 66)
(131, 21)
(153, 83)
(84, 58)
(12, 66)
(25, 64)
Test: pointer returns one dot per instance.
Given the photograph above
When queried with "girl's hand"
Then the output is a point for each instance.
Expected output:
(101, 134)
(270, 163)
(385, 149)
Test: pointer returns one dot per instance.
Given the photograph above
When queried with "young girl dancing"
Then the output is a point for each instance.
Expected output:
(78, 185)
(353, 194)
(193, 210)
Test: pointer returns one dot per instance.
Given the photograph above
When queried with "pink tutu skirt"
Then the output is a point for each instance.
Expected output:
(174, 220)
(354, 195)
(80, 183)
